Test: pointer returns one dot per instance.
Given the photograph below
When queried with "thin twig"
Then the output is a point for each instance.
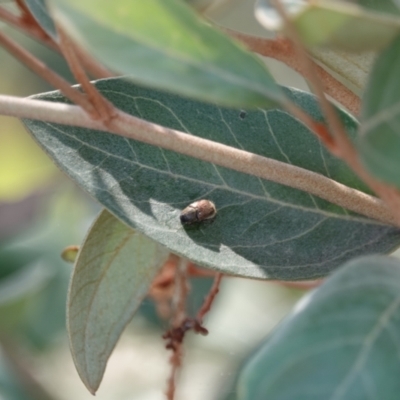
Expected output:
(282, 49)
(134, 128)
(177, 332)
(181, 324)
(46, 73)
(208, 301)
(105, 111)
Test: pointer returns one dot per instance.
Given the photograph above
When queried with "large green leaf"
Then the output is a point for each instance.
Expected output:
(164, 44)
(333, 23)
(379, 138)
(262, 229)
(340, 342)
(112, 274)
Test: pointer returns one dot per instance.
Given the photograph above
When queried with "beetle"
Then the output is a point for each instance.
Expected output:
(198, 211)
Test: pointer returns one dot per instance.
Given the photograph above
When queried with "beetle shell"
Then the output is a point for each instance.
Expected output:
(198, 211)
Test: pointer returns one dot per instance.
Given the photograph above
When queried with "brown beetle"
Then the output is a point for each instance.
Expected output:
(198, 211)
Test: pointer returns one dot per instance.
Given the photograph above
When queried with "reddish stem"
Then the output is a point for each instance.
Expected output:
(208, 301)
(103, 109)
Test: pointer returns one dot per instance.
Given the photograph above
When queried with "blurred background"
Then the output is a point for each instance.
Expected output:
(42, 211)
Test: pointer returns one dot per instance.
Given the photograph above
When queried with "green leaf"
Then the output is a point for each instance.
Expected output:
(41, 13)
(262, 229)
(340, 342)
(386, 6)
(351, 69)
(164, 44)
(332, 23)
(113, 272)
(379, 136)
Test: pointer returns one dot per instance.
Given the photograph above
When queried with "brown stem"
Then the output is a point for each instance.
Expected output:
(23, 8)
(175, 361)
(177, 332)
(46, 73)
(208, 301)
(282, 49)
(103, 109)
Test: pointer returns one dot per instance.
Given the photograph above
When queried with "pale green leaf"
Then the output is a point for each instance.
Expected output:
(164, 44)
(262, 229)
(333, 23)
(113, 273)
(349, 68)
(341, 342)
(379, 136)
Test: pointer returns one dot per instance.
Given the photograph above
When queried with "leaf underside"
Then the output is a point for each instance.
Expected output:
(262, 229)
(112, 275)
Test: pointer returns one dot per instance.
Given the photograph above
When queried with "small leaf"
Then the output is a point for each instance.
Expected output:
(379, 136)
(332, 23)
(41, 13)
(349, 68)
(262, 229)
(164, 44)
(112, 274)
(340, 342)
